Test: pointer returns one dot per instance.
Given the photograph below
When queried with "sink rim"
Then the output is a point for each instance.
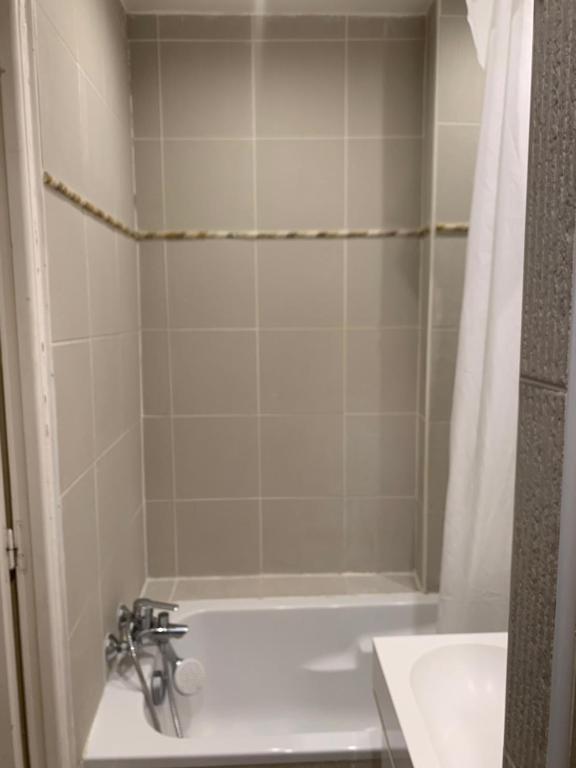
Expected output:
(395, 658)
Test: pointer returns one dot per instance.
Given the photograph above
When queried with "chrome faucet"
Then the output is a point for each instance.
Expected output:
(141, 626)
(140, 623)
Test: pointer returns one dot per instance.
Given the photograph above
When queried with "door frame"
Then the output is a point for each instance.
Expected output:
(30, 408)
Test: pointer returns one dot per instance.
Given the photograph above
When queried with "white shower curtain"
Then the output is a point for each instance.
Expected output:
(474, 591)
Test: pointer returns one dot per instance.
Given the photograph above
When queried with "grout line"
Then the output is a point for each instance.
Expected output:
(167, 306)
(94, 463)
(432, 248)
(458, 123)
(275, 40)
(285, 415)
(97, 337)
(425, 195)
(257, 306)
(280, 329)
(345, 306)
(248, 139)
(281, 498)
(128, 50)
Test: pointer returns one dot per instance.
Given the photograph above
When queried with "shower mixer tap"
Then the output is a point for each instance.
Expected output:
(138, 626)
(140, 623)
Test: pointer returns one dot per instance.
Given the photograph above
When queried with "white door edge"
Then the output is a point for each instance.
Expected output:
(41, 581)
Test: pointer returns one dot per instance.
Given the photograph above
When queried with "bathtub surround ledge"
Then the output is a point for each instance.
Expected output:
(280, 585)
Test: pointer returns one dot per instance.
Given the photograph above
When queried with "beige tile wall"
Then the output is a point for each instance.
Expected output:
(454, 102)
(280, 380)
(94, 311)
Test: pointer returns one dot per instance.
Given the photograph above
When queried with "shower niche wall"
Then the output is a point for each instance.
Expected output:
(297, 394)
(240, 409)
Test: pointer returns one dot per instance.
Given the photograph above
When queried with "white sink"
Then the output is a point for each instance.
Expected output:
(446, 693)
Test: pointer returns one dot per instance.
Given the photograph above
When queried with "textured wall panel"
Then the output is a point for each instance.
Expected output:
(534, 572)
(545, 346)
(551, 194)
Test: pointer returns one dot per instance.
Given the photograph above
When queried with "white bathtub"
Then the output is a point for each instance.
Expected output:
(287, 680)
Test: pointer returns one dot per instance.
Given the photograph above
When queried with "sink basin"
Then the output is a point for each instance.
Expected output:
(446, 693)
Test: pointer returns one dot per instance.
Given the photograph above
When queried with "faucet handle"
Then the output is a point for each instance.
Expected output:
(145, 603)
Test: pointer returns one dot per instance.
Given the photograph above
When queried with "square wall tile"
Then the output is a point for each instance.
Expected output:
(385, 88)
(103, 276)
(67, 269)
(448, 284)
(300, 284)
(381, 455)
(384, 182)
(131, 369)
(218, 537)
(80, 527)
(216, 457)
(422, 437)
(149, 196)
(116, 63)
(301, 455)
(382, 370)
(145, 90)
(211, 285)
(94, 25)
(101, 132)
(435, 544)
(300, 184)
(73, 383)
(141, 27)
(380, 535)
(161, 538)
(457, 147)
(301, 371)
(299, 27)
(211, 587)
(87, 675)
(60, 112)
(204, 27)
(425, 299)
(439, 464)
(201, 192)
(159, 589)
(123, 574)
(155, 373)
(153, 285)
(302, 536)
(460, 76)
(303, 585)
(380, 583)
(443, 354)
(206, 89)
(129, 301)
(299, 88)
(108, 393)
(386, 28)
(119, 492)
(383, 283)
(214, 372)
(453, 8)
(158, 458)
(61, 14)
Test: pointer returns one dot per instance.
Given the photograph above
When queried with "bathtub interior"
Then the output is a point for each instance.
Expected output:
(291, 670)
